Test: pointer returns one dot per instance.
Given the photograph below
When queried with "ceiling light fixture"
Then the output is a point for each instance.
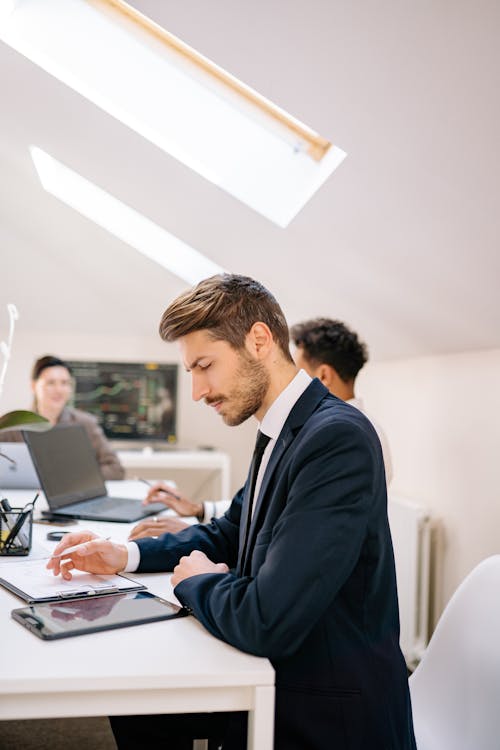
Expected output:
(176, 98)
(122, 221)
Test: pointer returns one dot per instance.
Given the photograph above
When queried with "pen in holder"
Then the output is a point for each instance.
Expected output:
(15, 529)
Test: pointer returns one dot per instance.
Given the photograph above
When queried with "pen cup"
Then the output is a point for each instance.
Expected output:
(15, 531)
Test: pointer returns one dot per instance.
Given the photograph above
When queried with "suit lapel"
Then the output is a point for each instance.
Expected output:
(285, 438)
(299, 414)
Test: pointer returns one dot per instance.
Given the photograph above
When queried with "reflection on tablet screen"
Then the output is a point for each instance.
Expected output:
(78, 616)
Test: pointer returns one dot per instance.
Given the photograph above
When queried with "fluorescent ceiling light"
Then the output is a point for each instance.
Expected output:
(121, 220)
(176, 98)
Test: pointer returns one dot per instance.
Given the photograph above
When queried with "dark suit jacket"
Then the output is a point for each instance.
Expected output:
(317, 592)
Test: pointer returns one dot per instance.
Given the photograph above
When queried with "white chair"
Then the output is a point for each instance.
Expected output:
(455, 690)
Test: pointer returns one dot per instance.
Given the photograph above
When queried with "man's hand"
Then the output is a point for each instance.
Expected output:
(164, 493)
(156, 526)
(95, 555)
(196, 563)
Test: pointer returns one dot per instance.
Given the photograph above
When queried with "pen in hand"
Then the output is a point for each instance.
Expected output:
(165, 489)
(75, 548)
(87, 552)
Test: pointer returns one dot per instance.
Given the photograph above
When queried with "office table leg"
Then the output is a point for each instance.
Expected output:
(261, 720)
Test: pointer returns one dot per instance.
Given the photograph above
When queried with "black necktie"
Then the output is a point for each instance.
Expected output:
(260, 446)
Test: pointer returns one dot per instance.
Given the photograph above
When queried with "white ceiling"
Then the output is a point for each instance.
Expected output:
(402, 241)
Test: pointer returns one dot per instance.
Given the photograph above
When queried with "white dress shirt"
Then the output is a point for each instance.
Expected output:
(386, 453)
(271, 425)
(276, 416)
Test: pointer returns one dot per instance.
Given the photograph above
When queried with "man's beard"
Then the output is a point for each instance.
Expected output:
(246, 397)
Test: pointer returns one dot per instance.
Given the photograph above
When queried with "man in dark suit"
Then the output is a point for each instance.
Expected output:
(301, 568)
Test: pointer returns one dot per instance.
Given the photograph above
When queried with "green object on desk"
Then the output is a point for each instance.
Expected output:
(24, 420)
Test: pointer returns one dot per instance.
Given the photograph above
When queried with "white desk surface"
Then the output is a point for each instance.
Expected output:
(165, 667)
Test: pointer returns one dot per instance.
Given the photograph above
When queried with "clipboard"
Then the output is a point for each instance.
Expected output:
(33, 583)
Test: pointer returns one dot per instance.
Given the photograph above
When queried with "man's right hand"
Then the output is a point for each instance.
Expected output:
(166, 494)
(95, 555)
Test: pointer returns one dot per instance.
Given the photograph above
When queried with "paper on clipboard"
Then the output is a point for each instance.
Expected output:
(34, 583)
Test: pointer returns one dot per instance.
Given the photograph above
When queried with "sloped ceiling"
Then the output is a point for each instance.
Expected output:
(402, 242)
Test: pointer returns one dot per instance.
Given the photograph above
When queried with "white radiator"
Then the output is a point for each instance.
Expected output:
(411, 537)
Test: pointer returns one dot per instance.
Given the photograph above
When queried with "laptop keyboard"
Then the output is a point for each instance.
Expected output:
(110, 503)
(119, 504)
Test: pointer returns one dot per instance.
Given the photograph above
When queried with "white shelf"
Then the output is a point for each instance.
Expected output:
(159, 464)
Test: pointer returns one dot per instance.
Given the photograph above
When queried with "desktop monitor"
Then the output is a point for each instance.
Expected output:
(133, 401)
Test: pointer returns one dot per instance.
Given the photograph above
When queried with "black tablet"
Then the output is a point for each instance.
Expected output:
(61, 619)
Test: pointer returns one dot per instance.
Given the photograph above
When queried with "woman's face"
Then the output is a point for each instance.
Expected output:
(52, 389)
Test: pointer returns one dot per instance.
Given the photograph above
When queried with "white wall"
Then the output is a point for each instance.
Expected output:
(442, 418)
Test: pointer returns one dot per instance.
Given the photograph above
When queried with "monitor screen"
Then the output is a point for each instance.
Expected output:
(131, 400)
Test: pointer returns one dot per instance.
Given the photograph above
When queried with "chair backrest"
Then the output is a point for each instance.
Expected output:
(455, 690)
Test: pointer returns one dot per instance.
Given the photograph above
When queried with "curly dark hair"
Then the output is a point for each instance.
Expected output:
(331, 342)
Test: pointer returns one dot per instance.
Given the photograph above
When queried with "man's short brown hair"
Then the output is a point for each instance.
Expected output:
(226, 306)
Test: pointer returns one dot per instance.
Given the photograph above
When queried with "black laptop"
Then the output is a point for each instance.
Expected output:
(70, 477)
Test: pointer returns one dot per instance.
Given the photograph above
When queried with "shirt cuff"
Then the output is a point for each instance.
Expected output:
(134, 557)
(209, 511)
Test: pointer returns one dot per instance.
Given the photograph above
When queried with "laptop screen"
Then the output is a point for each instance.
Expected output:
(66, 464)
(16, 467)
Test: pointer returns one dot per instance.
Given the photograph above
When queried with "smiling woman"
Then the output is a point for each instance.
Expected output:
(51, 382)
(52, 385)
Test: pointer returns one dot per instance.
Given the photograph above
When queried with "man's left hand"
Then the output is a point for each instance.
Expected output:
(194, 564)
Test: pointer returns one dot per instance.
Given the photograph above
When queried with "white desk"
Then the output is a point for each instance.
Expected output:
(162, 464)
(164, 667)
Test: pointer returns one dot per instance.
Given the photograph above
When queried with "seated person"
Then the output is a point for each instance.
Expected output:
(326, 349)
(300, 569)
(52, 384)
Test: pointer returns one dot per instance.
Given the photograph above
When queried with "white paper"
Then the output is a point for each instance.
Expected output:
(37, 583)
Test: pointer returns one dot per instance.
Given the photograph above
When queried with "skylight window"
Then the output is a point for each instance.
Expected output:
(122, 221)
(176, 98)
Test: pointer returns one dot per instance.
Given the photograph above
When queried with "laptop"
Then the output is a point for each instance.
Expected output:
(19, 472)
(71, 479)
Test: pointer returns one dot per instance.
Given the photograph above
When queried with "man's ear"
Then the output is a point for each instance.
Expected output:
(328, 376)
(259, 340)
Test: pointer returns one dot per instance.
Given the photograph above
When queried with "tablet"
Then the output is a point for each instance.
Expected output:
(62, 619)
